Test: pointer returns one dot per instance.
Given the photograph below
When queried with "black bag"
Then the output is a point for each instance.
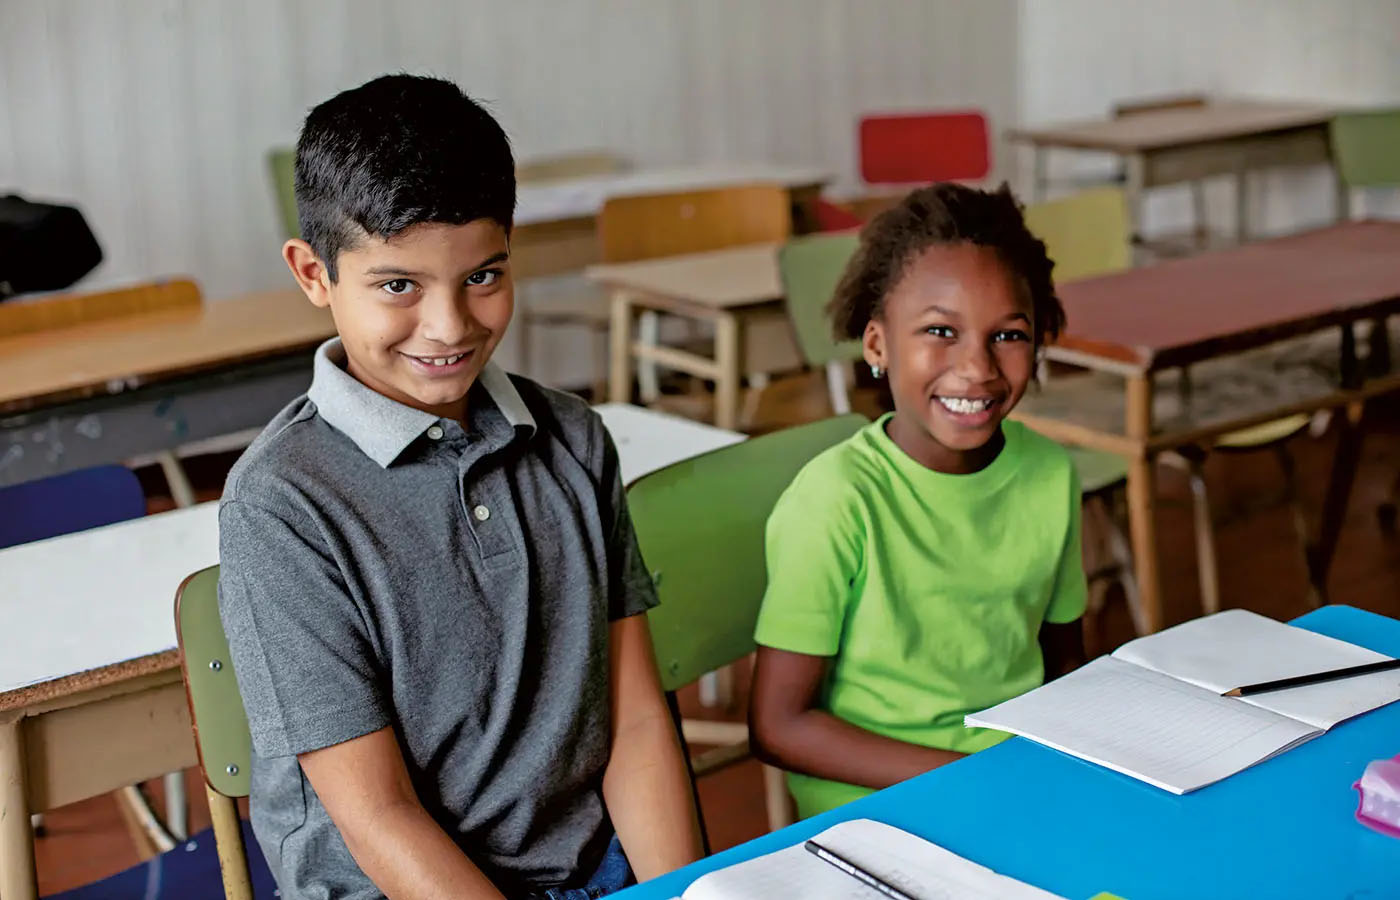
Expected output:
(43, 247)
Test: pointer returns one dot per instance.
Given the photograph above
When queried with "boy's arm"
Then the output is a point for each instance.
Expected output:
(646, 785)
(365, 786)
(788, 729)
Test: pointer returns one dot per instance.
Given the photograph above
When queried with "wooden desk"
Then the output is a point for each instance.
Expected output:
(736, 289)
(1229, 317)
(1170, 146)
(113, 389)
(90, 692)
(555, 221)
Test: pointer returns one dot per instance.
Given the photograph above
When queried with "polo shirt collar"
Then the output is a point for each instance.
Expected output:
(383, 428)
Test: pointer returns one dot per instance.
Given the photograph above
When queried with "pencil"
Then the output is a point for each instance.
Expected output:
(866, 878)
(1315, 678)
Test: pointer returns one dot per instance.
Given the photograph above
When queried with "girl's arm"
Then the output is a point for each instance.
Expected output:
(1062, 646)
(788, 730)
(646, 785)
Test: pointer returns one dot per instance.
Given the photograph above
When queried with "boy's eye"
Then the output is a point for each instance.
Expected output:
(1011, 334)
(941, 331)
(398, 286)
(484, 277)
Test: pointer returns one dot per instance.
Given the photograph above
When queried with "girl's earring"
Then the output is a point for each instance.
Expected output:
(876, 372)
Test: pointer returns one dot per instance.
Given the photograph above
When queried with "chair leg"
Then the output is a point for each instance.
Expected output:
(1198, 208)
(145, 829)
(1205, 537)
(1387, 510)
(181, 491)
(602, 359)
(758, 383)
(777, 800)
(228, 842)
(1120, 547)
(1300, 516)
(836, 387)
(649, 333)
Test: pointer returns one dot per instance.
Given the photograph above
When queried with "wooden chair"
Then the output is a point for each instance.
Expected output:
(281, 166)
(648, 226)
(1086, 234)
(810, 267)
(687, 516)
(218, 720)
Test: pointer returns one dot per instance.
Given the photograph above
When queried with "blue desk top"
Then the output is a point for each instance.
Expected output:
(1281, 829)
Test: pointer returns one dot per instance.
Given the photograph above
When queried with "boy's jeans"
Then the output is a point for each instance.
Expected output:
(612, 875)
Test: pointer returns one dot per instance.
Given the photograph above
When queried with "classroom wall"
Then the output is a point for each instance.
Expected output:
(1078, 56)
(155, 115)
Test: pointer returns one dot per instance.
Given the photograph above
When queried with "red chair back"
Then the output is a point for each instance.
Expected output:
(925, 147)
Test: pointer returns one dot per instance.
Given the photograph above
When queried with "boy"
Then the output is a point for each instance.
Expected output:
(429, 580)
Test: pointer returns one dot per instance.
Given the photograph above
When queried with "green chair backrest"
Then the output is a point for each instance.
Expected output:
(810, 267)
(700, 524)
(216, 708)
(1086, 234)
(281, 163)
(1366, 147)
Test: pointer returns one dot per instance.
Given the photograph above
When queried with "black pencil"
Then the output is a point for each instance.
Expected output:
(866, 878)
(1315, 678)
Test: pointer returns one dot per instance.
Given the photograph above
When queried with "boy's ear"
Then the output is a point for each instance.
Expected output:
(309, 271)
(873, 344)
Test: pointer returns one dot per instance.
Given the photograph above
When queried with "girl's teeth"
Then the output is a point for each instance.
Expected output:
(963, 405)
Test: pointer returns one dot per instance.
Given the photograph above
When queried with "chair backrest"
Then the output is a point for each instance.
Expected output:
(1086, 234)
(570, 165)
(652, 225)
(216, 708)
(700, 524)
(73, 501)
(281, 165)
(926, 147)
(1366, 147)
(810, 267)
(53, 311)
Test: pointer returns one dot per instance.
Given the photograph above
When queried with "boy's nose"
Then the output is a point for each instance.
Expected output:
(445, 319)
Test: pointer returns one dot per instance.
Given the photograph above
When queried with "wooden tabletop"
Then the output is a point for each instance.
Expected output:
(722, 279)
(110, 355)
(1188, 310)
(1177, 127)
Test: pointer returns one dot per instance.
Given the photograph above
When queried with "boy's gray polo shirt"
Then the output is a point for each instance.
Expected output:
(382, 567)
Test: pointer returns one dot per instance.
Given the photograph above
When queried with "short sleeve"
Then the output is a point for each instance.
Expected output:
(814, 547)
(1071, 590)
(301, 650)
(630, 588)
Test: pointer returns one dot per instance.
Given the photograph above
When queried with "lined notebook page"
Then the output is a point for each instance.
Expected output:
(1147, 725)
(914, 865)
(1236, 647)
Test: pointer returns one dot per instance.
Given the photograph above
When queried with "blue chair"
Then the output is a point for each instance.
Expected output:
(189, 872)
(74, 501)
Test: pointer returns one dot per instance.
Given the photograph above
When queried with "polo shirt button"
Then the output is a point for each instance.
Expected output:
(435, 432)
(481, 513)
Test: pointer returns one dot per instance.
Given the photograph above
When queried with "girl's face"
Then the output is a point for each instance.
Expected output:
(956, 337)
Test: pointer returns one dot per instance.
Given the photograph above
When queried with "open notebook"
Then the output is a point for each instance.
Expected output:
(1154, 710)
(910, 863)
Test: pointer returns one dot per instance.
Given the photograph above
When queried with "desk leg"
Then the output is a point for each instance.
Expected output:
(18, 880)
(1142, 502)
(1241, 205)
(727, 361)
(1334, 505)
(1040, 179)
(1134, 177)
(620, 353)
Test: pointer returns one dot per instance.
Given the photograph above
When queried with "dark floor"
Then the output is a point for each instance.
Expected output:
(1261, 568)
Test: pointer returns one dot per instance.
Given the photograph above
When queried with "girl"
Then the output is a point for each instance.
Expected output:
(929, 566)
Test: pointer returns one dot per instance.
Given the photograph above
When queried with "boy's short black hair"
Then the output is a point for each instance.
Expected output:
(944, 213)
(394, 152)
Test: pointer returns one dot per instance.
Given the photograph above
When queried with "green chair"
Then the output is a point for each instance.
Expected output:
(281, 164)
(1108, 553)
(810, 268)
(219, 723)
(700, 524)
(1087, 235)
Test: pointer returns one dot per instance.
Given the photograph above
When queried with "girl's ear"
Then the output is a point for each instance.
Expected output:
(873, 344)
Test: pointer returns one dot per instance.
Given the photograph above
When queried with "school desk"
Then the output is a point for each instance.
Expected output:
(1189, 143)
(103, 388)
(90, 692)
(555, 220)
(737, 290)
(1192, 349)
(1283, 829)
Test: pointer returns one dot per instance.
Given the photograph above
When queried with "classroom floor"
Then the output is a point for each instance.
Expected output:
(1261, 568)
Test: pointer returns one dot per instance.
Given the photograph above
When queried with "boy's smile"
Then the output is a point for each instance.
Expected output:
(421, 312)
(956, 339)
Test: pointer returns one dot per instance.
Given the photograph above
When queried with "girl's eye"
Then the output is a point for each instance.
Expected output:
(484, 277)
(941, 331)
(398, 286)
(1012, 334)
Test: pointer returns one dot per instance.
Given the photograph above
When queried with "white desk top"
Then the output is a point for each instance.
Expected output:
(96, 598)
(572, 198)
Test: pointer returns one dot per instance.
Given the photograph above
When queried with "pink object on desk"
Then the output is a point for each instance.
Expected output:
(1379, 806)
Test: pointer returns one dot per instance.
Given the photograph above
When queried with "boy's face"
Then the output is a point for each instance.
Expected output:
(956, 339)
(419, 313)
